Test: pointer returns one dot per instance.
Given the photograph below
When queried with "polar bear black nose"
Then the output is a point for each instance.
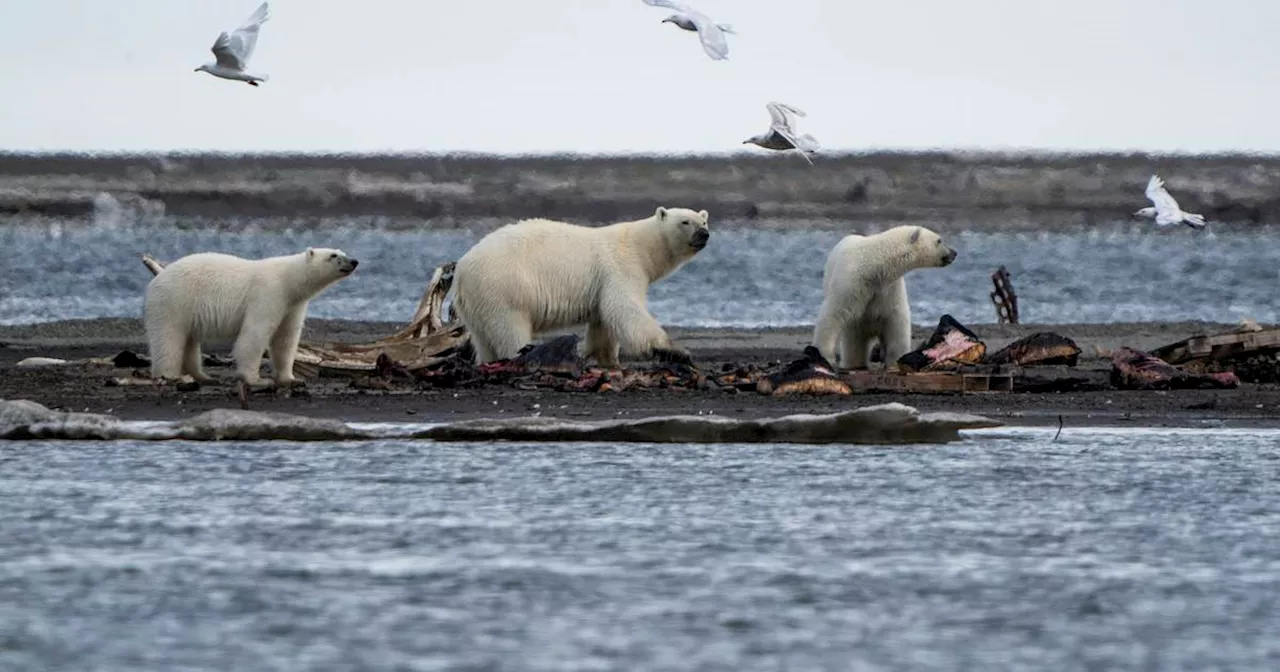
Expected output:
(356, 262)
(701, 236)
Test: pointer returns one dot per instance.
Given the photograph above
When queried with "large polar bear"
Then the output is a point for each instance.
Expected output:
(258, 303)
(865, 297)
(538, 275)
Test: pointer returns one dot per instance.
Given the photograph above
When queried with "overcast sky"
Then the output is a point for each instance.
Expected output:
(510, 76)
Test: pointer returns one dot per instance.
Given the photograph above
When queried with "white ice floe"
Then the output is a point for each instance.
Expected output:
(883, 424)
(782, 132)
(233, 50)
(711, 33)
(1166, 211)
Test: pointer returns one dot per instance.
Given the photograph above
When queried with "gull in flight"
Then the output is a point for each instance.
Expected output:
(233, 51)
(711, 34)
(1166, 210)
(782, 132)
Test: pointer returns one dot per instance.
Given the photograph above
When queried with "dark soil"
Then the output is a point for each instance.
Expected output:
(83, 387)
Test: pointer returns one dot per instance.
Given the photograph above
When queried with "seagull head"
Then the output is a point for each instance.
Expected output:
(1148, 212)
(203, 68)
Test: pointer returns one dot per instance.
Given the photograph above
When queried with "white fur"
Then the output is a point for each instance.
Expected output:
(539, 275)
(260, 304)
(865, 296)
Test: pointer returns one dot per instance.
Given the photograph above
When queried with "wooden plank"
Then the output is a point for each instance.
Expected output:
(934, 381)
(1218, 346)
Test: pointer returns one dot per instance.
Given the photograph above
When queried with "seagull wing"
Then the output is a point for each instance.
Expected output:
(783, 123)
(234, 50)
(1167, 210)
(783, 116)
(683, 9)
(712, 37)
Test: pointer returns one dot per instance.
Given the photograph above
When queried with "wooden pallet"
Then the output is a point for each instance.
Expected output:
(936, 381)
(1218, 346)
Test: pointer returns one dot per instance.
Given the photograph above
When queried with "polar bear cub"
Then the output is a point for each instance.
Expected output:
(539, 275)
(260, 304)
(865, 297)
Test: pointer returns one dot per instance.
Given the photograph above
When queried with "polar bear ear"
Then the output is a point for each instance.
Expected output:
(704, 215)
(915, 236)
(660, 213)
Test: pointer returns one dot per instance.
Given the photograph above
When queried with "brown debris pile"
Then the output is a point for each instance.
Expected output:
(1136, 370)
(556, 365)
(1250, 351)
(1043, 348)
(1048, 362)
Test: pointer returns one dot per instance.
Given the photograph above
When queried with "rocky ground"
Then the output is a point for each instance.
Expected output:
(83, 388)
(949, 191)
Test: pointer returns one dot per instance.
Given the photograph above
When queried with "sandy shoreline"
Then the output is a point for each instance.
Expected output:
(83, 388)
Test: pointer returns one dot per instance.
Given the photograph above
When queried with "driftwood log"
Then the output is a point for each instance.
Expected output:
(429, 339)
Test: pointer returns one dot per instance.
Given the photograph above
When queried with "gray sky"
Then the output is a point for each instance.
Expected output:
(607, 76)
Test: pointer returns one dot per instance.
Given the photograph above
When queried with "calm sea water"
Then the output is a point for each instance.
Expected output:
(1108, 550)
(746, 278)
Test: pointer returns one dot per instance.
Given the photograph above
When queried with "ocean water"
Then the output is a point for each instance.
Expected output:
(745, 277)
(1107, 549)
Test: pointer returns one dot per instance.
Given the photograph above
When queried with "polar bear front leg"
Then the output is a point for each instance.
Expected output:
(896, 340)
(601, 345)
(826, 333)
(635, 331)
(895, 336)
(283, 347)
(855, 346)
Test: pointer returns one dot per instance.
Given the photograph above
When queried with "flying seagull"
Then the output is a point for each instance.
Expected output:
(711, 34)
(1166, 210)
(782, 132)
(233, 51)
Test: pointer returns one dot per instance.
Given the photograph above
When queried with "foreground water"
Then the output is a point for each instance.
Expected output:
(745, 277)
(1107, 549)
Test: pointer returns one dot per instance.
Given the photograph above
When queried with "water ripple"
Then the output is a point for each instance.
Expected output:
(745, 278)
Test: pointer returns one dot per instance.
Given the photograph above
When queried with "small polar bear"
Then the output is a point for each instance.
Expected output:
(260, 304)
(865, 296)
(538, 275)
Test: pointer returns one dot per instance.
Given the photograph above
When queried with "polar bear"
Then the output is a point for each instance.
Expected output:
(865, 297)
(538, 275)
(258, 303)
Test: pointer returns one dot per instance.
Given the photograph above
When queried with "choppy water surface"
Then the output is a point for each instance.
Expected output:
(1151, 550)
(745, 277)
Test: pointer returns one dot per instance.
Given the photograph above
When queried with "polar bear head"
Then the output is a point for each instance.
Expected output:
(325, 265)
(927, 248)
(685, 231)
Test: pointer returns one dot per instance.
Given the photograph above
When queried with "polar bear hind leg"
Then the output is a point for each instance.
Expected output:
(193, 360)
(167, 344)
(498, 333)
(283, 347)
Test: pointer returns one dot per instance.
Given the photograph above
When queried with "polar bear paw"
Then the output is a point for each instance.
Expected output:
(673, 355)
